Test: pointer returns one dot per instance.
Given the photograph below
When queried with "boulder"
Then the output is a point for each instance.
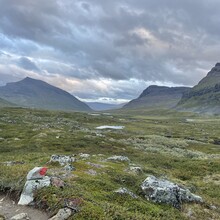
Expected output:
(62, 214)
(164, 191)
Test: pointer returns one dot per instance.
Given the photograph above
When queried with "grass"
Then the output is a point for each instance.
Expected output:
(163, 143)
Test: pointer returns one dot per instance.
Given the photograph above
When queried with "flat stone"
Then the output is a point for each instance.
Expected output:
(123, 190)
(21, 216)
(62, 214)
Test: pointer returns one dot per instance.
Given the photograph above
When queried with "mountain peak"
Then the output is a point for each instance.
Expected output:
(35, 93)
(29, 79)
(204, 97)
(215, 70)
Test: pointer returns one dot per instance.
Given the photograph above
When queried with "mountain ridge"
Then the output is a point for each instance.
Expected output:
(157, 96)
(205, 96)
(34, 93)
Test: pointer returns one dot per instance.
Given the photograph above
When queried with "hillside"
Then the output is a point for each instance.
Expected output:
(157, 96)
(4, 103)
(39, 94)
(204, 97)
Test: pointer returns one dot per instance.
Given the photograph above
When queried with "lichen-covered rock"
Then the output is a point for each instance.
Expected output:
(62, 159)
(164, 191)
(136, 169)
(119, 158)
(69, 168)
(62, 214)
(126, 191)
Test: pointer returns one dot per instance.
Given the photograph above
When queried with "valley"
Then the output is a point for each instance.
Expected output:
(179, 147)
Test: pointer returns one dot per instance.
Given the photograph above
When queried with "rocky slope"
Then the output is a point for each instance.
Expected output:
(158, 96)
(39, 94)
(204, 97)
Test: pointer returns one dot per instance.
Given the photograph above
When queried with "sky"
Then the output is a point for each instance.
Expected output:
(109, 51)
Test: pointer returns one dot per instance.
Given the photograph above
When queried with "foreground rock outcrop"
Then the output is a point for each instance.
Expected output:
(36, 179)
(164, 191)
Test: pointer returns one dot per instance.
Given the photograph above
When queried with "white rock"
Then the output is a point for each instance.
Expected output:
(36, 173)
(21, 216)
(62, 214)
(27, 195)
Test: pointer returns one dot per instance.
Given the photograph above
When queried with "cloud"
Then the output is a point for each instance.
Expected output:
(109, 44)
(27, 64)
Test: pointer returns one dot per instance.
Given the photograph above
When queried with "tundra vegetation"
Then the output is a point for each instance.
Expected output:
(181, 147)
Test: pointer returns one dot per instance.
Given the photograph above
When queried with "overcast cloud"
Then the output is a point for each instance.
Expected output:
(109, 50)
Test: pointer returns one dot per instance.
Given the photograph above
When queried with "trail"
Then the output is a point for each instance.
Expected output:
(8, 208)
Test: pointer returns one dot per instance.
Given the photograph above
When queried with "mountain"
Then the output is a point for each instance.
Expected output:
(157, 96)
(204, 97)
(4, 103)
(98, 106)
(39, 94)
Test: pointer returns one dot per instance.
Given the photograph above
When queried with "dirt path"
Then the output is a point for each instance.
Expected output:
(8, 208)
